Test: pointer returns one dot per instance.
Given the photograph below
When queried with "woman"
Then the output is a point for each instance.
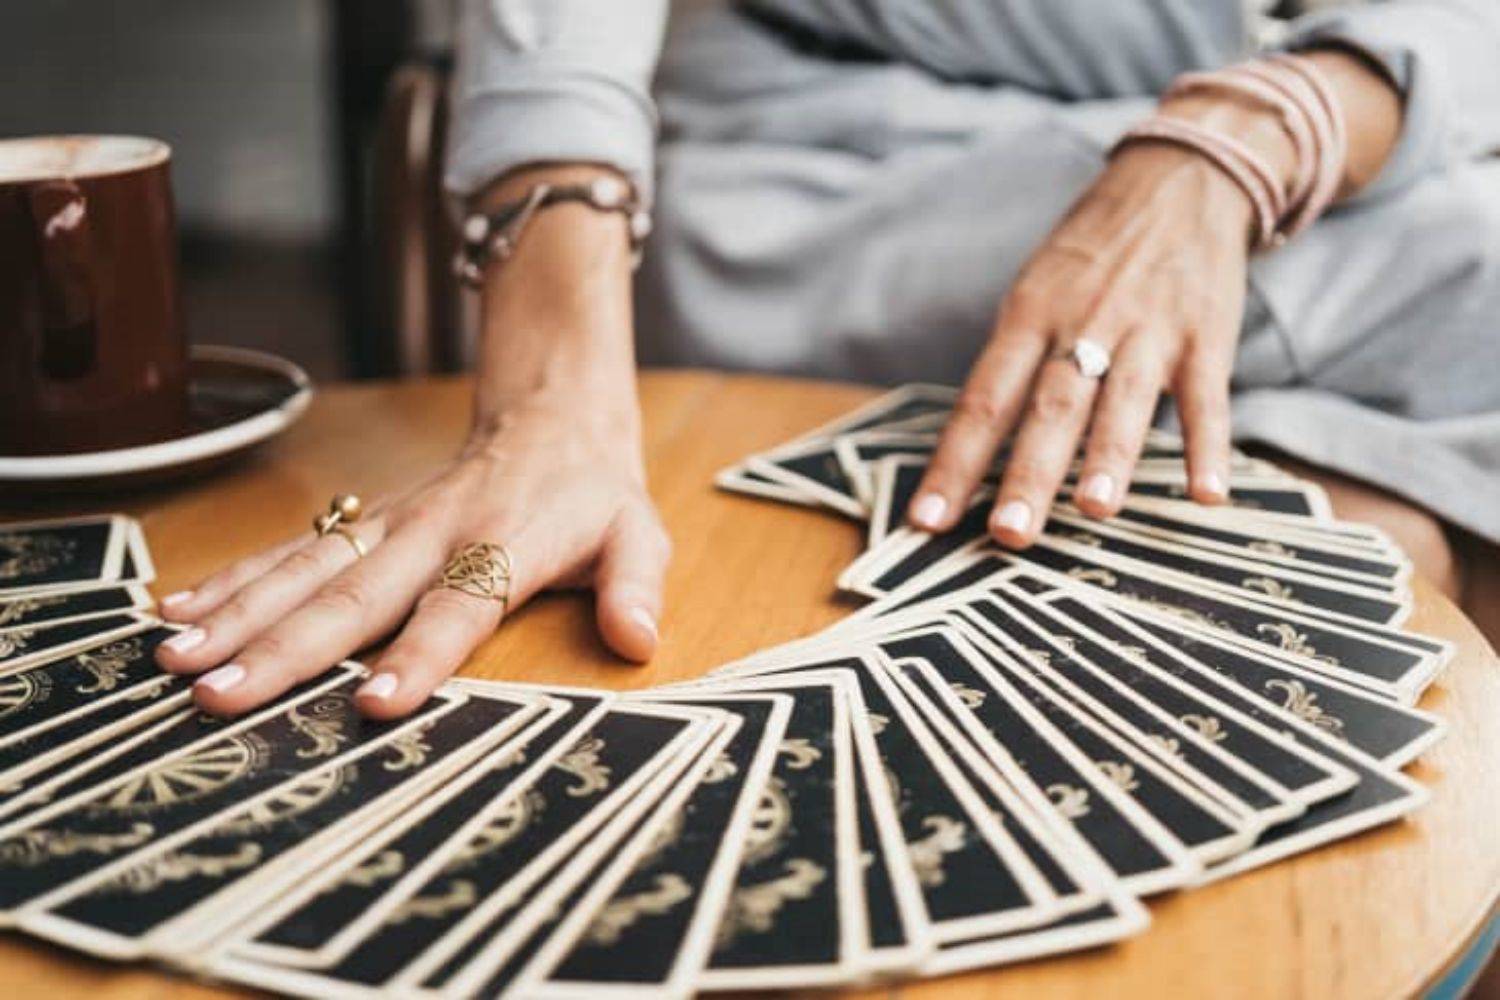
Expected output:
(883, 189)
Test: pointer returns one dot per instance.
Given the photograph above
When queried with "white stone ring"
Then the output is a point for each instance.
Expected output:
(1090, 357)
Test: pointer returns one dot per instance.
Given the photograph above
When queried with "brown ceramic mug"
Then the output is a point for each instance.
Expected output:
(93, 354)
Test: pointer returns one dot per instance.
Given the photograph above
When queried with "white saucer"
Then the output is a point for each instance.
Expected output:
(237, 399)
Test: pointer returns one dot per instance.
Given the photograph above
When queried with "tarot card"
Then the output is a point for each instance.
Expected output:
(483, 946)
(1210, 831)
(500, 854)
(95, 833)
(897, 927)
(651, 934)
(1258, 493)
(1117, 917)
(65, 552)
(61, 690)
(1013, 737)
(1071, 673)
(319, 921)
(33, 768)
(1393, 734)
(1290, 551)
(1293, 770)
(906, 406)
(136, 565)
(797, 913)
(742, 479)
(1093, 540)
(586, 884)
(885, 516)
(813, 470)
(856, 453)
(1378, 663)
(69, 606)
(1221, 715)
(1077, 877)
(162, 902)
(1380, 796)
(974, 878)
(24, 648)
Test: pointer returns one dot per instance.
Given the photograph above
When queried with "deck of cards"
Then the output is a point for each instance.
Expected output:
(995, 760)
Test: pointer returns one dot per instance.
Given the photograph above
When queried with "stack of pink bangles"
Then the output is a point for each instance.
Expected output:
(1297, 91)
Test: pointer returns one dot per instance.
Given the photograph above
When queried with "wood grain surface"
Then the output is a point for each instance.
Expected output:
(1380, 915)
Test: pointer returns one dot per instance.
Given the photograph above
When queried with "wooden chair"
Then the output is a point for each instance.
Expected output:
(416, 298)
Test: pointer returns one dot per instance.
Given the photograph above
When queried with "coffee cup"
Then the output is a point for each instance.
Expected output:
(93, 354)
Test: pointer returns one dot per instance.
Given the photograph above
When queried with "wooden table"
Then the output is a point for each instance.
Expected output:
(1384, 914)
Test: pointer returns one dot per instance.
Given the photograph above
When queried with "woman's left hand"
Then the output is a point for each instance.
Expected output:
(1150, 265)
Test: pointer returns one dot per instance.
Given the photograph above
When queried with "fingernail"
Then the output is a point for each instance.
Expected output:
(1100, 488)
(181, 597)
(1015, 517)
(380, 687)
(184, 641)
(221, 680)
(929, 510)
(643, 618)
(1212, 485)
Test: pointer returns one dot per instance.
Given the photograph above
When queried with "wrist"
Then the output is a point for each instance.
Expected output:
(1253, 125)
(1190, 177)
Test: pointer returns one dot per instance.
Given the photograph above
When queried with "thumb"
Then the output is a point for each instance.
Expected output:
(632, 566)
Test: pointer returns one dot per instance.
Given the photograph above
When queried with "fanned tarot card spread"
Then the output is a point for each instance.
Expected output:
(996, 759)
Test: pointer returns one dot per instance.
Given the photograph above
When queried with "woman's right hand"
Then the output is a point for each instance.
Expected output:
(552, 469)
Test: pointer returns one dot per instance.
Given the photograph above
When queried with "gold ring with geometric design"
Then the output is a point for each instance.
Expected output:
(480, 569)
(344, 509)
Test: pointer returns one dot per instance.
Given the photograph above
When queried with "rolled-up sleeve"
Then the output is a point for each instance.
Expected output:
(554, 80)
(1444, 56)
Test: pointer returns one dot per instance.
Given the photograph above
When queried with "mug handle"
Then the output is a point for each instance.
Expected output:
(65, 250)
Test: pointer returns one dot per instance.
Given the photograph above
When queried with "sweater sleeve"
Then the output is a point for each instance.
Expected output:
(554, 80)
(1074, 50)
(1444, 56)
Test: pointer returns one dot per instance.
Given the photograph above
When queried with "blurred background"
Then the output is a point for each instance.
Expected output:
(273, 109)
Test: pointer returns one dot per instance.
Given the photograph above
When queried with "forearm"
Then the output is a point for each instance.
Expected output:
(556, 314)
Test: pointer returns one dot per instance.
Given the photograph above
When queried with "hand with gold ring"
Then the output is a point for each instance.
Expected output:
(544, 496)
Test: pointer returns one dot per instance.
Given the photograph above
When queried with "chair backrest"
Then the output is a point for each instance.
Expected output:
(415, 295)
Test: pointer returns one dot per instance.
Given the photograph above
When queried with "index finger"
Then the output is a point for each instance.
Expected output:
(984, 413)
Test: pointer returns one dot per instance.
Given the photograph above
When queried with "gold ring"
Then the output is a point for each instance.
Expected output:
(481, 569)
(348, 536)
(343, 510)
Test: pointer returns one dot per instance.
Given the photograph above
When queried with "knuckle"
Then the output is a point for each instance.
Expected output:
(977, 406)
(1026, 475)
(343, 595)
(1133, 381)
(236, 610)
(1026, 300)
(271, 647)
(306, 561)
(1056, 400)
(1114, 451)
